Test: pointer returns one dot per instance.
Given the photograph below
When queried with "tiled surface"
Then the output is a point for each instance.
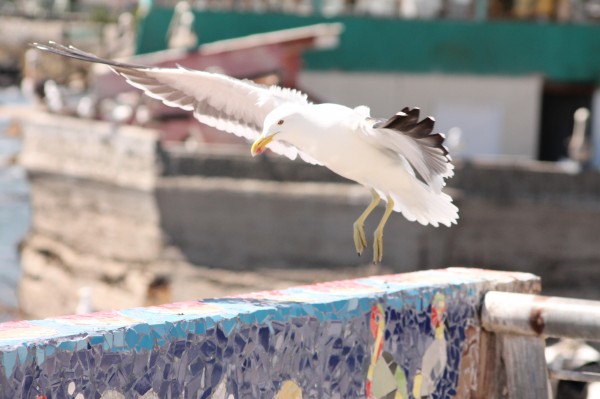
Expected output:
(317, 341)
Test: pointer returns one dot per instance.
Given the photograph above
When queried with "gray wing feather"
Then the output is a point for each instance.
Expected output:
(412, 139)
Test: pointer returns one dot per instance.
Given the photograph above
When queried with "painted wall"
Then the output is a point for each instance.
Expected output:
(408, 335)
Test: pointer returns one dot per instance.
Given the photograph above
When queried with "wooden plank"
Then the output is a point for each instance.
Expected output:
(491, 376)
(525, 367)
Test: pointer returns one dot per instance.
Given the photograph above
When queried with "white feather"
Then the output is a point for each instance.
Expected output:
(421, 158)
(228, 104)
(235, 106)
(343, 139)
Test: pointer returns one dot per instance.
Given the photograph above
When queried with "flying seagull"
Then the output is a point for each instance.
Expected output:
(399, 159)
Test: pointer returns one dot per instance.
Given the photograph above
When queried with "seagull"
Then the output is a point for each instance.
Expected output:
(399, 159)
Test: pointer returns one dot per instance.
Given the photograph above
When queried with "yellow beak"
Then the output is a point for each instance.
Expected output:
(260, 144)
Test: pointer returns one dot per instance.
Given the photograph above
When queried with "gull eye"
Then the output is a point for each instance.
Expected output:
(280, 122)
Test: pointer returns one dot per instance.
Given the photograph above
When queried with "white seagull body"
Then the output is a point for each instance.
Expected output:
(348, 142)
(381, 155)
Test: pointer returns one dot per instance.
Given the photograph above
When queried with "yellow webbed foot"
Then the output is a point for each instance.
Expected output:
(360, 240)
(377, 246)
(378, 236)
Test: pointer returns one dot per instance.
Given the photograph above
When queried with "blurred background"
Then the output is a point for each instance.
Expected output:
(109, 199)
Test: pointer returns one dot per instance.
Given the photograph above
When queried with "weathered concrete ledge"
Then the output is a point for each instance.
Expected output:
(281, 224)
(417, 332)
(122, 155)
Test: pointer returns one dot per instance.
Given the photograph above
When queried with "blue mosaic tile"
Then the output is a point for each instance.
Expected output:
(410, 334)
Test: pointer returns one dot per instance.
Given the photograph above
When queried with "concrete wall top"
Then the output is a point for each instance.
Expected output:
(123, 155)
(415, 334)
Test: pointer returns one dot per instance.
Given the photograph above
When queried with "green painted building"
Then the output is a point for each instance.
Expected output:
(554, 69)
(560, 52)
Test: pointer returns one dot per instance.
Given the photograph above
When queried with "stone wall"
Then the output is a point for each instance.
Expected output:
(138, 225)
(526, 216)
(243, 224)
(97, 237)
(87, 234)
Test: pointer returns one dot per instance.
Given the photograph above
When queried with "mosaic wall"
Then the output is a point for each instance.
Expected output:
(399, 336)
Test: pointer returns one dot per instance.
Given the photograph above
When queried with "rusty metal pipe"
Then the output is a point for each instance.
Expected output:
(535, 315)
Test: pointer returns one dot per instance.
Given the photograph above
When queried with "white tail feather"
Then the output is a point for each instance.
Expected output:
(424, 205)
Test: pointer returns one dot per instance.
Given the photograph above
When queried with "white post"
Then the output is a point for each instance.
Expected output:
(595, 128)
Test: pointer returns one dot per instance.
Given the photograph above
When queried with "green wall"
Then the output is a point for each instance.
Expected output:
(568, 53)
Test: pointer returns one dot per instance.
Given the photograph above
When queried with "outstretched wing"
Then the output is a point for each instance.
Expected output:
(228, 104)
(413, 139)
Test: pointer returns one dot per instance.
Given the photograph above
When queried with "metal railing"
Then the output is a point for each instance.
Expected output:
(521, 322)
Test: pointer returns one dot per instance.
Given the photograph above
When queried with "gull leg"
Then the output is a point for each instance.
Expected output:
(378, 236)
(360, 240)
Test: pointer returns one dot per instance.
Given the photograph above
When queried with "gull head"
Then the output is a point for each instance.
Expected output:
(280, 124)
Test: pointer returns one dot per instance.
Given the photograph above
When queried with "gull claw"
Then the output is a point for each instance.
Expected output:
(360, 240)
(378, 246)
(378, 236)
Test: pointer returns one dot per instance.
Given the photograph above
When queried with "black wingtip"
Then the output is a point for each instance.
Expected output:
(407, 122)
(412, 114)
